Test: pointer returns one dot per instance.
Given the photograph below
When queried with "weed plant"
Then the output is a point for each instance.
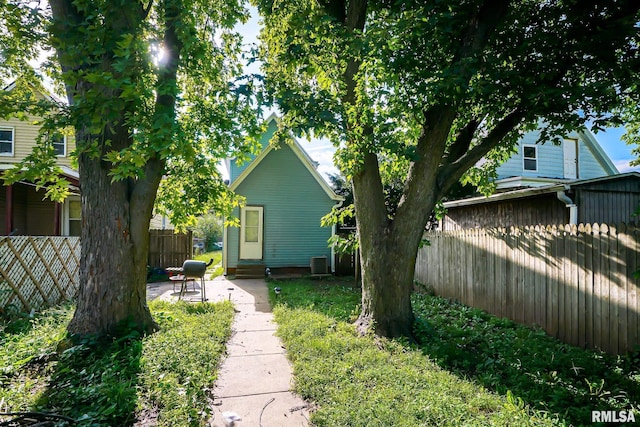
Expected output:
(507, 357)
(471, 368)
(163, 379)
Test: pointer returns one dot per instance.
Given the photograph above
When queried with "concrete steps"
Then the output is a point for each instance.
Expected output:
(250, 271)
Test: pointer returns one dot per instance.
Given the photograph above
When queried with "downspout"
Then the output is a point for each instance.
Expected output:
(573, 208)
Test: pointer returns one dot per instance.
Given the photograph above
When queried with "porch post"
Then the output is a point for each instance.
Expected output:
(56, 219)
(9, 209)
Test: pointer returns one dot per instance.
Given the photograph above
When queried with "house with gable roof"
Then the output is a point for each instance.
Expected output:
(571, 183)
(24, 210)
(579, 156)
(280, 223)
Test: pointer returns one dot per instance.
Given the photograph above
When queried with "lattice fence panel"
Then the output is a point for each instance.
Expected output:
(37, 272)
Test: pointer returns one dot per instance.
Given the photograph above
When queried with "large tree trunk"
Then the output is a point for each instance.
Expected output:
(387, 257)
(387, 284)
(113, 264)
(115, 213)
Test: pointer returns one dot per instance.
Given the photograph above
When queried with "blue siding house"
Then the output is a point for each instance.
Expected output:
(546, 184)
(280, 223)
(579, 157)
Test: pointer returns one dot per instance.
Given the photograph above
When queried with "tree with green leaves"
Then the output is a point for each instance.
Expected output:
(209, 227)
(435, 92)
(154, 98)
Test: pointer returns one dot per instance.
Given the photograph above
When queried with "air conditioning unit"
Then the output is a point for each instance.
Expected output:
(319, 265)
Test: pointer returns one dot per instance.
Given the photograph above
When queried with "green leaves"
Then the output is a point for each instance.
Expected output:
(159, 84)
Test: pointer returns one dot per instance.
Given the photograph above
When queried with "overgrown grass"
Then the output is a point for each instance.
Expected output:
(215, 269)
(207, 256)
(471, 368)
(165, 377)
(505, 356)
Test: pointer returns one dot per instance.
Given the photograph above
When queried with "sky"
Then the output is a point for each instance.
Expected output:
(322, 150)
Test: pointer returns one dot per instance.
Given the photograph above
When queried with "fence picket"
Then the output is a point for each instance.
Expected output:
(576, 282)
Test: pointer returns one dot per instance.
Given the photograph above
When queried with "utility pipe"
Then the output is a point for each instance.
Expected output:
(573, 208)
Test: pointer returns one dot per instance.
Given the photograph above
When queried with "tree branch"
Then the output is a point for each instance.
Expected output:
(463, 141)
(143, 196)
(147, 9)
(335, 8)
(449, 173)
(480, 29)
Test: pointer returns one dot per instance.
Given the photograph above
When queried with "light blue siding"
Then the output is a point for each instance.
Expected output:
(237, 169)
(551, 160)
(293, 203)
(588, 166)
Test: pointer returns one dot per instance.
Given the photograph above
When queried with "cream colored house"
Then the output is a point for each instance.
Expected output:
(24, 209)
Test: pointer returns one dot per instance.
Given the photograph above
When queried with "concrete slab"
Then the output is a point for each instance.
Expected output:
(253, 374)
(284, 410)
(254, 380)
(254, 343)
(255, 321)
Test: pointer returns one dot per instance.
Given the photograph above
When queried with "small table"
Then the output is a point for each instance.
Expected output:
(179, 277)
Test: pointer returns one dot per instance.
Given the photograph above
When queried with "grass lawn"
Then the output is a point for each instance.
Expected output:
(207, 256)
(164, 378)
(215, 269)
(471, 368)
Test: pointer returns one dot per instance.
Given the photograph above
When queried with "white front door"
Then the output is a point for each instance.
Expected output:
(251, 221)
(570, 150)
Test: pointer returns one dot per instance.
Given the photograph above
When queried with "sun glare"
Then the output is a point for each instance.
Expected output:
(158, 54)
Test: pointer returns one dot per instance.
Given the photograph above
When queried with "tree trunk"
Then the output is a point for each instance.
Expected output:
(387, 284)
(387, 258)
(113, 265)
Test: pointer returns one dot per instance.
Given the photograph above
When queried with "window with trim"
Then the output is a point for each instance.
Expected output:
(73, 218)
(530, 157)
(59, 142)
(6, 141)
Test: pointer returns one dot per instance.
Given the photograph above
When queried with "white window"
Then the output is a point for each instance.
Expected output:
(6, 141)
(530, 158)
(59, 142)
(72, 216)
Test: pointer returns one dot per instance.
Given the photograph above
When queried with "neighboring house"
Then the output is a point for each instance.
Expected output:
(280, 223)
(574, 182)
(610, 199)
(23, 209)
(160, 222)
(579, 156)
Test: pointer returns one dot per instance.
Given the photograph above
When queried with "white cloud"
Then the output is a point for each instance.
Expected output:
(623, 166)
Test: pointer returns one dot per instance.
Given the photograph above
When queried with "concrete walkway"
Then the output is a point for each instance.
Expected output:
(254, 380)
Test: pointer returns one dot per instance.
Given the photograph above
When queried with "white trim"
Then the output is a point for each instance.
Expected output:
(526, 181)
(64, 142)
(300, 154)
(525, 158)
(533, 191)
(251, 250)
(590, 141)
(225, 246)
(13, 142)
(66, 216)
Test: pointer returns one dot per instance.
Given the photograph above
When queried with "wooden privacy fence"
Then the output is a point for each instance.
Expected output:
(38, 272)
(579, 283)
(168, 249)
